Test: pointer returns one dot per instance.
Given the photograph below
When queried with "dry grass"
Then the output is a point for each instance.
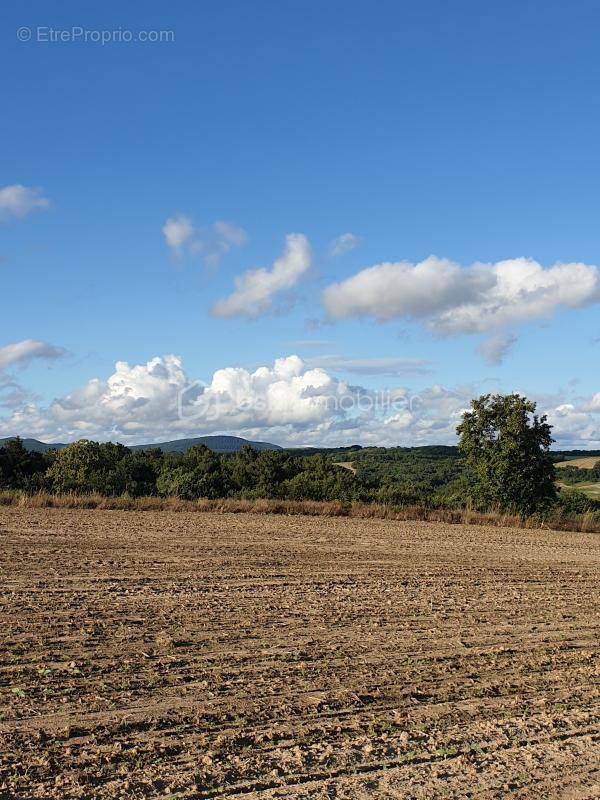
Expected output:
(349, 465)
(581, 463)
(557, 520)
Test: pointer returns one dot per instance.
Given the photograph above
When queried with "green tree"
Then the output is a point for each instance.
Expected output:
(507, 451)
(138, 472)
(259, 474)
(242, 471)
(320, 479)
(199, 474)
(86, 466)
(21, 468)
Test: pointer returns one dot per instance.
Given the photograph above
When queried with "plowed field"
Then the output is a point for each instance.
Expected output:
(188, 655)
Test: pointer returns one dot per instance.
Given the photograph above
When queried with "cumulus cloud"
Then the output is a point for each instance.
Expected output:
(18, 201)
(286, 394)
(288, 402)
(495, 349)
(22, 353)
(134, 398)
(451, 299)
(211, 242)
(256, 289)
(575, 425)
(344, 244)
(158, 399)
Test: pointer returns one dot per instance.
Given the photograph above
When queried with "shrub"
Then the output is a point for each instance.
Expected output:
(572, 501)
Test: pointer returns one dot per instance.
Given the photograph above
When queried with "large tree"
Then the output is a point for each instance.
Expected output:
(87, 466)
(507, 450)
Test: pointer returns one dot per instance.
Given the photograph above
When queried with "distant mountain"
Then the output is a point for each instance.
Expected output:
(220, 444)
(232, 444)
(35, 445)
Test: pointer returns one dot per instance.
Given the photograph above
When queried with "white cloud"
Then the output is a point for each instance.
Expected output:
(158, 400)
(344, 244)
(22, 353)
(12, 395)
(311, 344)
(212, 242)
(286, 394)
(18, 201)
(287, 402)
(372, 366)
(230, 234)
(256, 289)
(19, 355)
(575, 425)
(178, 231)
(220, 239)
(495, 349)
(134, 398)
(451, 299)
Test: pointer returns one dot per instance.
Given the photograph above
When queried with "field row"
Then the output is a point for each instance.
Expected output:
(199, 655)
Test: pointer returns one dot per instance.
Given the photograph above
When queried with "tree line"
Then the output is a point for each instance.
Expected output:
(573, 475)
(112, 469)
(504, 464)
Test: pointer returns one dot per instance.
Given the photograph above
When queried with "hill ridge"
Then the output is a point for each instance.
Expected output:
(218, 443)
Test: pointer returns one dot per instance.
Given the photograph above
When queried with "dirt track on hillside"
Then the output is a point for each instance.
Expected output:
(214, 655)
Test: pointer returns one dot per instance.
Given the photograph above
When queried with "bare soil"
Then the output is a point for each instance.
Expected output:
(190, 655)
(349, 465)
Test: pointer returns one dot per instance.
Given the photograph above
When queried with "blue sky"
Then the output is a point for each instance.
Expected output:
(464, 131)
